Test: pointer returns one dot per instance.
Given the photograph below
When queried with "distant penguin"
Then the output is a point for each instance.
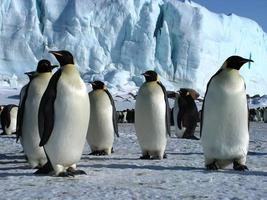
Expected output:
(27, 127)
(152, 120)
(187, 117)
(9, 119)
(64, 116)
(224, 121)
(179, 132)
(265, 115)
(103, 121)
(22, 99)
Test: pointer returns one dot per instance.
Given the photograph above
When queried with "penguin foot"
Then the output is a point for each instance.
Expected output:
(165, 156)
(98, 153)
(191, 137)
(212, 166)
(239, 167)
(65, 174)
(76, 172)
(145, 157)
(45, 169)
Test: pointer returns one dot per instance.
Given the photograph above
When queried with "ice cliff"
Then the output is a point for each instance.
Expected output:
(117, 40)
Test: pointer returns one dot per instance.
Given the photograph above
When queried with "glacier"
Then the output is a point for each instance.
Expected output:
(117, 40)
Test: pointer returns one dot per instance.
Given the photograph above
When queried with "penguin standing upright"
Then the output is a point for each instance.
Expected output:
(103, 120)
(224, 122)
(9, 119)
(64, 116)
(27, 126)
(152, 122)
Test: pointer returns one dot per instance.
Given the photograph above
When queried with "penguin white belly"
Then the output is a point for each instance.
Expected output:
(72, 111)
(30, 138)
(100, 134)
(225, 125)
(178, 132)
(13, 121)
(150, 112)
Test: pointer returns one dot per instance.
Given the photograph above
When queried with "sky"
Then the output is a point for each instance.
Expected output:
(253, 9)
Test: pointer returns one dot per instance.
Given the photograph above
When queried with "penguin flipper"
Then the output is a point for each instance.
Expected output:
(203, 104)
(167, 116)
(46, 109)
(23, 97)
(180, 113)
(114, 114)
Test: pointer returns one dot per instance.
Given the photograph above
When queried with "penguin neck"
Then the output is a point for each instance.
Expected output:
(69, 68)
(44, 74)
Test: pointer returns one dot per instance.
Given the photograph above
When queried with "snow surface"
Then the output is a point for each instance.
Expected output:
(117, 40)
(123, 176)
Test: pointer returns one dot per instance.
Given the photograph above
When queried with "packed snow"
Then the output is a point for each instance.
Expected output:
(116, 41)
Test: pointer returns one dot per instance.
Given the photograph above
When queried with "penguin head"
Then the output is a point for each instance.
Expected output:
(44, 66)
(184, 92)
(98, 85)
(63, 57)
(236, 62)
(31, 74)
(150, 76)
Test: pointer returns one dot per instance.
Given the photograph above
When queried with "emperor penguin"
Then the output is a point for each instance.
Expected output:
(224, 122)
(64, 116)
(152, 117)
(9, 119)
(187, 116)
(103, 121)
(27, 126)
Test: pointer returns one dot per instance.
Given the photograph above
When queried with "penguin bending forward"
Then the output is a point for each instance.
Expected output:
(9, 119)
(187, 117)
(103, 121)
(27, 123)
(152, 117)
(224, 122)
(64, 116)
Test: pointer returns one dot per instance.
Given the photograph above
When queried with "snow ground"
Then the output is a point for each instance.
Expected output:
(123, 176)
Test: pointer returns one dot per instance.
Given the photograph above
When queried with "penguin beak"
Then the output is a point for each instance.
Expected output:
(246, 60)
(54, 66)
(32, 73)
(144, 74)
(55, 53)
(92, 83)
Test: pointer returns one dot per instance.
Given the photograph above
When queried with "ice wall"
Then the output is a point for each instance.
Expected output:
(117, 40)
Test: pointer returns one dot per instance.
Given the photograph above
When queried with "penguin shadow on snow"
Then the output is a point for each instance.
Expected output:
(242, 173)
(5, 174)
(13, 97)
(149, 167)
(105, 158)
(11, 159)
(253, 153)
(184, 153)
(177, 168)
